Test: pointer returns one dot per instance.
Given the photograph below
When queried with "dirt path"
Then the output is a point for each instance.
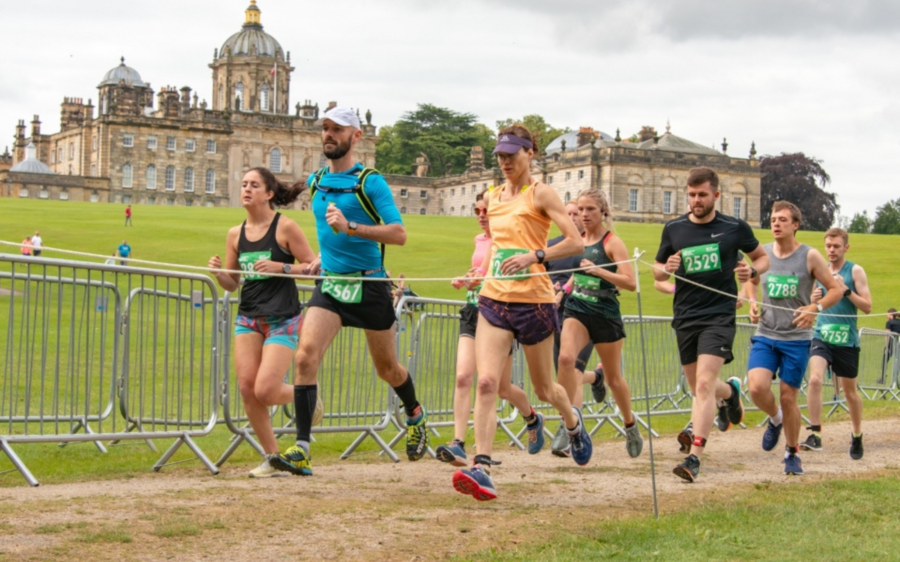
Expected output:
(375, 510)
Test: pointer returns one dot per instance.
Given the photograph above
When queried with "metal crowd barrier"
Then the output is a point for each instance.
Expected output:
(878, 364)
(82, 340)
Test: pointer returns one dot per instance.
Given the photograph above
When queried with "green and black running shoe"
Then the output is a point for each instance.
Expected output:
(295, 460)
(417, 436)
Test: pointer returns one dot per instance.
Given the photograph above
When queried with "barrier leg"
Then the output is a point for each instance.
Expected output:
(514, 441)
(239, 438)
(185, 439)
(17, 462)
(82, 423)
(375, 437)
(132, 425)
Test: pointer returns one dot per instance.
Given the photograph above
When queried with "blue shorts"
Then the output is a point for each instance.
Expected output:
(278, 330)
(786, 359)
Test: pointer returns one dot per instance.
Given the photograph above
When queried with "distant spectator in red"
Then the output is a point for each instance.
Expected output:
(128, 216)
(26, 246)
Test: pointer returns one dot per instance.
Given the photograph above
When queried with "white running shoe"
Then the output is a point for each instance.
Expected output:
(265, 470)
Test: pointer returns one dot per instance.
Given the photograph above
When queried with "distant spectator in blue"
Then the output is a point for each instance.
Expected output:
(124, 252)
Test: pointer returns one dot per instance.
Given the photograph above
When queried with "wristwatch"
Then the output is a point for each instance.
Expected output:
(286, 268)
(847, 292)
(351, 228)
(753, 273)
(540, 255)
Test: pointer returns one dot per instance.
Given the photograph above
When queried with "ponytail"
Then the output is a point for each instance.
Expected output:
(282, 194)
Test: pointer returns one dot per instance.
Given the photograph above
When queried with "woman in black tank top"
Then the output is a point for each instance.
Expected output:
(268, 319)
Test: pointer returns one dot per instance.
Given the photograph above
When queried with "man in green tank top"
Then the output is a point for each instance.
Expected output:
(836, 342)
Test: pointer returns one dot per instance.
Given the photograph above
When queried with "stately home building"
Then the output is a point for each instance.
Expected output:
(138, 146)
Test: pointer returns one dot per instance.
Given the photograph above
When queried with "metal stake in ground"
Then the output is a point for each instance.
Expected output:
(637, 256)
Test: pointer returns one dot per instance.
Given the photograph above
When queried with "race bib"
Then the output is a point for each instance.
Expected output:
(472, 296)
(782, 286)
(500, 256)
(246, 261)
(835, 334)
(583, 282)
(700, 259)
(346, 291)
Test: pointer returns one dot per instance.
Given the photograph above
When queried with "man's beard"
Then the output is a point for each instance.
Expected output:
(338, 151)
(706, 211)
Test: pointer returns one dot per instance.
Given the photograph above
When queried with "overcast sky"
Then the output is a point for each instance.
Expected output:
(817, 76)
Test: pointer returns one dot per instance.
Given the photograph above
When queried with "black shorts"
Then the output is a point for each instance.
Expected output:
(600, 330)
(843, 360)
(713, 339)
(468, 320)
(375, 311)
(583, 356)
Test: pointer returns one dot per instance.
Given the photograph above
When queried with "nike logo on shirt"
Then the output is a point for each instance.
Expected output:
(717, 235)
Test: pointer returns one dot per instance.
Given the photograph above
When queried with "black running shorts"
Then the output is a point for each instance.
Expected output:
(843, 360)
(375, 311)
(468, 320)
(695, 341)
(600, 330)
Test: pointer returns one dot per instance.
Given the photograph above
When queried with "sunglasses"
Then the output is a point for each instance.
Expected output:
(479, 212)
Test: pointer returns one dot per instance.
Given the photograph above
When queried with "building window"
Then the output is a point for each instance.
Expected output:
(151, 143)
(581, 174)
(170, 178)
(170, 143)
(151, 200)
(568, 176)
(275, 160)
(264, 98)
(462, 211)
(189, 145)
(188, 202)
(59, 154)
(422, 211)
(52, 157)
(221, 96)
(633, 200)
(667, 202)
(96, 140)
(737, 207)
(210, 204)
(550, 180)
(126, 175)
(43, 193)
(128, 140)
(210, 147)
(23, 193)
(404, 192)
(210, 180)
(94, 197)
(70, 169)
(568, 198)
(63, 195)
(94, 170)
(484, 186)
(452, 193)
(126, 199)
(151, 177)
(189, 179)
(462, 191)
(239, 96)
(402, 210)
(423, 194)
(452, 210)
(170, 201)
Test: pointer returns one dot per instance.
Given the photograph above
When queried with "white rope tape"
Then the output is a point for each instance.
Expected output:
(634, 260)
(760, 303)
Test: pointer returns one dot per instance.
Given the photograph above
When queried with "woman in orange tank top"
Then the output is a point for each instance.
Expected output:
(513, 306)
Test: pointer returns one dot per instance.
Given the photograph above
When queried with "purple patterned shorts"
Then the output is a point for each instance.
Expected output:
(530, 323)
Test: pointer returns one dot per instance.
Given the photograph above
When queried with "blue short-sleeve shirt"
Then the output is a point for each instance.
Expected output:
(347, 254)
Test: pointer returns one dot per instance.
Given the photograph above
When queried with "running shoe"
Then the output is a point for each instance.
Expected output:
(475, 482)
(559, 445)
(812, 443)
(686, 438)
(689, 469)
(771, 436)
(536, 434)
(416, 436)
(598, 387)
(634, 441)
(734, 406)
(265, 470)
(582, 447)
(792, 465)
(856, 447)
(453, 452)
(295, 460)
(721, 421)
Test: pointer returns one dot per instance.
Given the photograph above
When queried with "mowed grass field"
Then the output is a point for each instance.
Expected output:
(437, 246)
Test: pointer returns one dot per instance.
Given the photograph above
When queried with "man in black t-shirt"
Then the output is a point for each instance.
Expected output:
(893, 326)
(703, 247)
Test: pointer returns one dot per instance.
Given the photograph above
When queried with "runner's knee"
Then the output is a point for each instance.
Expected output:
(487, 385)
(464, 379)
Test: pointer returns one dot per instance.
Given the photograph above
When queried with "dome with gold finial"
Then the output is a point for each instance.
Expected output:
(251, 40)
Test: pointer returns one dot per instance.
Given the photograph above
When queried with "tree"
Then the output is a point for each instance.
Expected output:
(445, 136)
(887, 218)
(800, 180)
(544, 132)
(860, 224)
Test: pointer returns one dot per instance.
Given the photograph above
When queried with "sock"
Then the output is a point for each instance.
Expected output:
(460, 442)
(304, 445)
(483, 460)
(407, 394)
(856, 435)
(304, 406)
(816, 429)
(627, 425)
(778, 418)
(530, 418)
(788, 451)
(575, 430)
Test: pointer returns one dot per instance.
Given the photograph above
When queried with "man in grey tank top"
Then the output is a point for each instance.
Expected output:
(786, 320)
